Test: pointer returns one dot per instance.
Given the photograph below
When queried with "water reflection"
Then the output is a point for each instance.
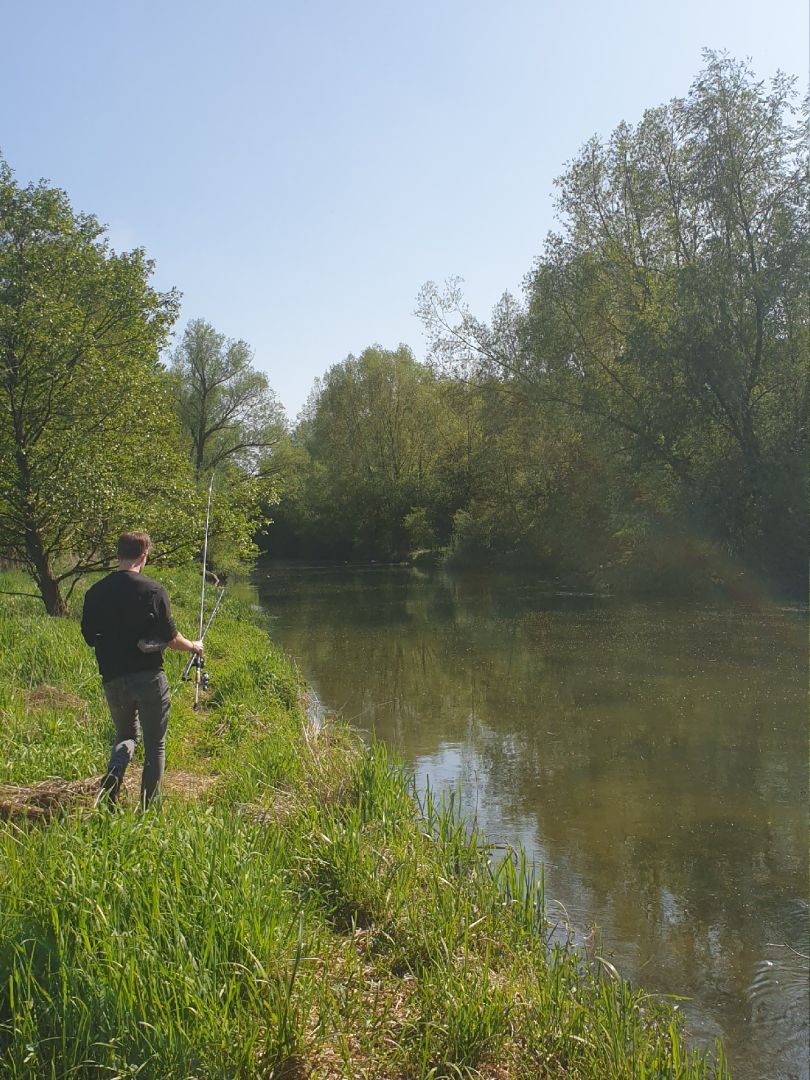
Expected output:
(654, 758)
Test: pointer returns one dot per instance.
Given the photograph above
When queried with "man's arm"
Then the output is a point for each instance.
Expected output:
(182, 644)
(169, 632)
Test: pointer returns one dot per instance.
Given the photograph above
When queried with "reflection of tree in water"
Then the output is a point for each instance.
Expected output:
(658, 753)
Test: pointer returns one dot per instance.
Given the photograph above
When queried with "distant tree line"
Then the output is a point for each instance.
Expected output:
(639, 415)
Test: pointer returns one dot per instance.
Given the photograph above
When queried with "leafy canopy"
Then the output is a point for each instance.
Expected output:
(233, 424)
(89, 445)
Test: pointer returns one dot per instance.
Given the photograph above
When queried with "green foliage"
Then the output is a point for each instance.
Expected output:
(421, 533)
(226, 407)
(240, 507)
(88, 443)
(664, 336)
(472, 538)
(370, 446)
(679, 287)
(234, 423)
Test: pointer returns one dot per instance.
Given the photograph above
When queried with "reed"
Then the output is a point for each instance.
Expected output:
(298, 914)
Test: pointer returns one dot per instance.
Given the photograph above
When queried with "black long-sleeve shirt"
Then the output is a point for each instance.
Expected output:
(118, 611)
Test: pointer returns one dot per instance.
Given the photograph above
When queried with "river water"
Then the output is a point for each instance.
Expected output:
(653, 757)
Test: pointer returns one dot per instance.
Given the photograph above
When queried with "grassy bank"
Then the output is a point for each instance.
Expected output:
(286, 911)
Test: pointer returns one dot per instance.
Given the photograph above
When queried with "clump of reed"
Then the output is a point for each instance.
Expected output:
(299, 915)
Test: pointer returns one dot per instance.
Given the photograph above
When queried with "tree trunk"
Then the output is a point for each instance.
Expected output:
(51, 594)
(42, 572)
(36, 557)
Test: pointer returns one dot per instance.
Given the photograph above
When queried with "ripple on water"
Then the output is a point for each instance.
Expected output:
(779, 999)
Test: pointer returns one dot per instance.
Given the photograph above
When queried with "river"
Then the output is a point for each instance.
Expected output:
(653, 757)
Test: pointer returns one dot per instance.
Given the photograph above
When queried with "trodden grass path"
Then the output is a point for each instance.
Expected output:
(287, 910)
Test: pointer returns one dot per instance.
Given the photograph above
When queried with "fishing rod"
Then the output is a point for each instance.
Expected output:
(192, 659)
(205, 553)
(197, 662)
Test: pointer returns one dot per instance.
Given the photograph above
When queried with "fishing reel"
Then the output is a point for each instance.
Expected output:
(201, 677)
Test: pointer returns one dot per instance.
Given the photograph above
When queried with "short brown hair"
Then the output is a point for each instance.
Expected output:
(132, 545)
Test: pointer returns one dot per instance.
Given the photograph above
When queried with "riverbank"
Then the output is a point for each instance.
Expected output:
(287, 911)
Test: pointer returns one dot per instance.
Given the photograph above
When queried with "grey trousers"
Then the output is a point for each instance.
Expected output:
(139, 702)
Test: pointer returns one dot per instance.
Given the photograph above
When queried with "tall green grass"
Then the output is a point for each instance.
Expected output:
(305, 917)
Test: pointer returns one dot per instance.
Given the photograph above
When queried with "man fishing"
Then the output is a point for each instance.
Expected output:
(127, 619)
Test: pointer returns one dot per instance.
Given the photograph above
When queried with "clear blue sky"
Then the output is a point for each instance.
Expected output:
(298, 170)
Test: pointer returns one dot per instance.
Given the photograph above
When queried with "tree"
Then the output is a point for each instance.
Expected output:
(373, 435)
(234, 424)
(668, 319)
(89, 445)
(680, 286)
(227, 407)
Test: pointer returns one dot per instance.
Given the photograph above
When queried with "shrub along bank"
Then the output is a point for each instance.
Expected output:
(291, 912)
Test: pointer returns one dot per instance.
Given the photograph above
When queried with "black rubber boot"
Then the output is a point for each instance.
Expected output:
(108, 791)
